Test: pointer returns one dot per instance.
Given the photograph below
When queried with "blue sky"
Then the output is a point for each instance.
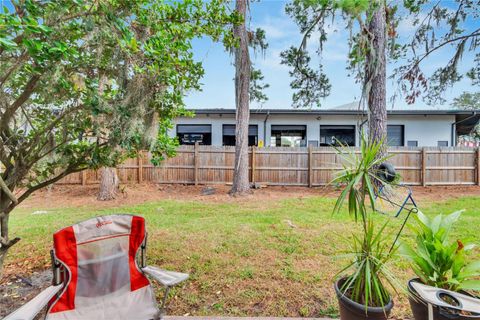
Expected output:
(281, 32)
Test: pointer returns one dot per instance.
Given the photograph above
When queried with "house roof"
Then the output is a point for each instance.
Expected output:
(341, 110)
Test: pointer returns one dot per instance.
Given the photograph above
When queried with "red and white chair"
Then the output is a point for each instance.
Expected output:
(100, 273)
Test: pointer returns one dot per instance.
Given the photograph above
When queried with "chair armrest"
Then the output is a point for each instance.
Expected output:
(29, 310)
(166, 278)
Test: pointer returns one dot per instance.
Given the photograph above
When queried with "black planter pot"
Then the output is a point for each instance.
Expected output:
(351, 310)
(420, 309)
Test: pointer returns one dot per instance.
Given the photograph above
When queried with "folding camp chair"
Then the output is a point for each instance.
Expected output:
(100, 273)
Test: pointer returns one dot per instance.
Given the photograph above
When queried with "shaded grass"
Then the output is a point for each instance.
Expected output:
(243, 258)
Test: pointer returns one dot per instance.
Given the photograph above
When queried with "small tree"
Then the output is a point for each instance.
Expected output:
(467, 101)
(83, 82)
(371, 252)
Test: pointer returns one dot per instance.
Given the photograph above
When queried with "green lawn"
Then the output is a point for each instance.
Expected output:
(243, 258)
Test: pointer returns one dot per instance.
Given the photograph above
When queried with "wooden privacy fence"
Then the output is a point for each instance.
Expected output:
(313, 166)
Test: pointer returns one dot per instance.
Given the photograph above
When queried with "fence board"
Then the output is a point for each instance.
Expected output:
(314, 166)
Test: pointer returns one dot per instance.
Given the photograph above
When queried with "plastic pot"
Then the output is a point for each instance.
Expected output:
(420, 309)
(351, 310)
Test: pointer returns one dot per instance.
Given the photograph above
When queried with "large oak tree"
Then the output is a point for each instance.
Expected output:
(85, 83)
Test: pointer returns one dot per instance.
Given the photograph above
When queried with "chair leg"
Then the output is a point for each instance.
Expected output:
(430, 312)
(164, 303)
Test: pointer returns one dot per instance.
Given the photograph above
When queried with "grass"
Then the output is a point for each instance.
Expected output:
(243, 258)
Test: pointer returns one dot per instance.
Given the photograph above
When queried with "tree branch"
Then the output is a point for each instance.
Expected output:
(310, 29)
(27, 92)
(7, 74)
(413, 68)
(36, 138)
(7, 191)
(5, 244)
(69, 170)
(475, 33)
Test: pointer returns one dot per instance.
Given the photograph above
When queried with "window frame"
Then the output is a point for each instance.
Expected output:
(194, 125)
(250, 144)
(439, 141)
(416, 143)
(304, 138)
(332, 126)
(403, 135)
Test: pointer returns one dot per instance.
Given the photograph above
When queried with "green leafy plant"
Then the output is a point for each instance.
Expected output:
(85, 84)
(371, 251)
(436, 259)
(359, 175)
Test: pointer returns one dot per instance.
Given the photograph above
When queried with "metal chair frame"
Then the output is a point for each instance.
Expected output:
(401, 206)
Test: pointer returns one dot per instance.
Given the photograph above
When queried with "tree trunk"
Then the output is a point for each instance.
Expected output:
(5, 242)
(376, 76)
(241, 183)
(108, 184)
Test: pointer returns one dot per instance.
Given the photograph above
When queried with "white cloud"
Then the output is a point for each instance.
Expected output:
(335, 54)
(407, 26)
(278, 28)
(271, 61)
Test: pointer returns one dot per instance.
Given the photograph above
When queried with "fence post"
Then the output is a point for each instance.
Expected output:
(478, 166)
(310, 171)
(139, 168)
(253, 164)
(84, 177)
(424, 167)
(195, 159)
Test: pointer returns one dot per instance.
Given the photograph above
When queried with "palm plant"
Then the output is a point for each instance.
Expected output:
(371, 250)
(439, 261)
(360, 176)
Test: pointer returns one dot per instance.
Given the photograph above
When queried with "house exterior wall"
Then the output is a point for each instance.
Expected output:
(426, 129)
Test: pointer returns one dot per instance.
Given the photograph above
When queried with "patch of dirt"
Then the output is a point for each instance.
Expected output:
(19, 290)
(441, 193)
(82, 196)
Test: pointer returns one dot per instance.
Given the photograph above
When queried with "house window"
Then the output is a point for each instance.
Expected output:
(189, 134)
(336, 135)
(229, 135)
(412, 143)
(395, 134)
(442, 143)
(288, 136)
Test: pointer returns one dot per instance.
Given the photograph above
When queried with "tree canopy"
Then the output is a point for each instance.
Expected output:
(83, 83)
(450, 27)
(447, 26)
(467, 101)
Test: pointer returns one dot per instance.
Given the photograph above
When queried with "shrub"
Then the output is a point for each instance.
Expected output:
(439, 261)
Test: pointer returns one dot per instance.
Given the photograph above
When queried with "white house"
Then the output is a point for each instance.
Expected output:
(323, 127)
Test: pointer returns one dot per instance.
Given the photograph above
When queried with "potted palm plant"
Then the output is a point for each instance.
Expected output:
(362, 293)
(440, 262)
